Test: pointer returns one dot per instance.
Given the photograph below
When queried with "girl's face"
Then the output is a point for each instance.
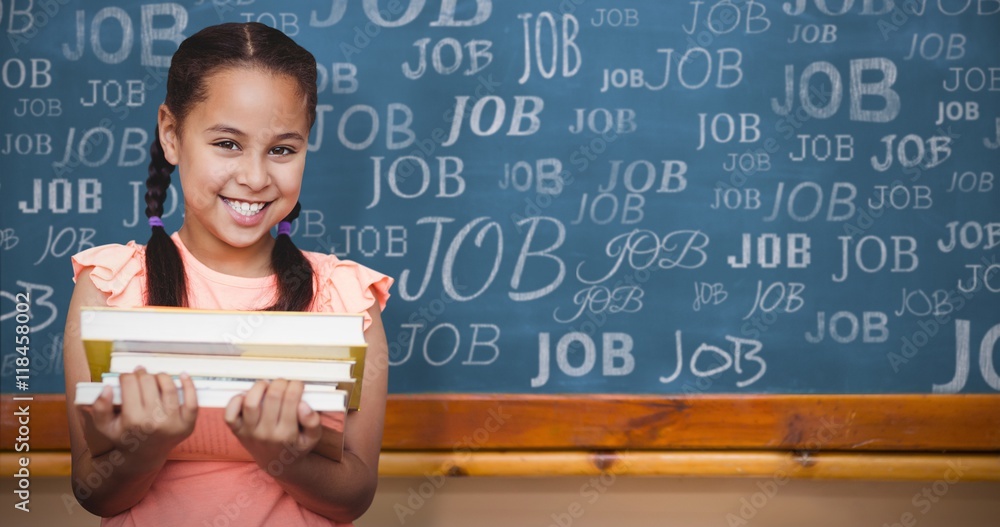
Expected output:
(240, 153)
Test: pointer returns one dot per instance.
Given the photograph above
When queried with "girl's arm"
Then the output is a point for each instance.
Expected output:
(116, 456)
(341, 491)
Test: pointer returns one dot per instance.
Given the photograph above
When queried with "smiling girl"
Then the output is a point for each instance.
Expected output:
(241, 100)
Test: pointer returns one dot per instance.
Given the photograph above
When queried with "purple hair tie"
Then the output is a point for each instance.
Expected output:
(155, 221)
(284, 227)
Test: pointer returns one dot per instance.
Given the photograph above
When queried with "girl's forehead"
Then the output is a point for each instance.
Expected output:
(223, 81)
(254, 97)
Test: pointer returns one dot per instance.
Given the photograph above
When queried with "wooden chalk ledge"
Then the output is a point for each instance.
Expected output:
(824, 465)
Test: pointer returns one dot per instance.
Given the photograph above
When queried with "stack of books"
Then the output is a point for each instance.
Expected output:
(225, 352)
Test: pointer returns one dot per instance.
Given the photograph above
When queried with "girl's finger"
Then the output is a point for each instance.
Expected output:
(149, 387)
(132, 409)
(252, 403)
(103, 410)
(168, 392)
(310, 421)
(270, 408)
(233, 414)
(290, 405)
(99, 427)
(190, 404)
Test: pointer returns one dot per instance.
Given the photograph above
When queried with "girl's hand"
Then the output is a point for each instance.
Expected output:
(151, 420)
(273, 423)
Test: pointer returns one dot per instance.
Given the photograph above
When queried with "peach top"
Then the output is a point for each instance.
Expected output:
(210, 493)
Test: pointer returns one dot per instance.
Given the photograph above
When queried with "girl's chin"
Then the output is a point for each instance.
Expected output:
(240, 240)
(240, 235)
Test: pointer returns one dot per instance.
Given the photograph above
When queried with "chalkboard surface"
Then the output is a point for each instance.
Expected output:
(574, 196)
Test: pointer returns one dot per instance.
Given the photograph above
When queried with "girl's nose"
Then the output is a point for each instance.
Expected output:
(253, 174)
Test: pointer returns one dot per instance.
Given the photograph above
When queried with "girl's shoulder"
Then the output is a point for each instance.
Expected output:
(118, 269)
(346, 285)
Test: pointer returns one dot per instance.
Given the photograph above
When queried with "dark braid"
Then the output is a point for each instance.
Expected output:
(294, 271)
(230, 45)
(165, 281)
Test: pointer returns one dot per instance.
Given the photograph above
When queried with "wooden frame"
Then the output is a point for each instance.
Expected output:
(866, 436)
(768, 422)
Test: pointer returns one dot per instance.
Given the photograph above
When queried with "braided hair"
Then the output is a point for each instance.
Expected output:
(227, 45)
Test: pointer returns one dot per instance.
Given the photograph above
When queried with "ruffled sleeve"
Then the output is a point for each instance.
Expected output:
(345, 286)
(117, 269)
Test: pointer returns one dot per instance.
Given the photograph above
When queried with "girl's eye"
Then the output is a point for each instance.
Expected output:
(227, 145)
(282, 151)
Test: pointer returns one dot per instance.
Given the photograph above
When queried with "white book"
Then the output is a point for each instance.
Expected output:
(239, 367)
(225, 383)
(171, 324)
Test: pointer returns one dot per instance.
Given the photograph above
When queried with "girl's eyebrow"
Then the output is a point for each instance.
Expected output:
(226, 129)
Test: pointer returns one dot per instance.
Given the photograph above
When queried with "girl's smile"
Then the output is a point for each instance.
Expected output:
(245, 212)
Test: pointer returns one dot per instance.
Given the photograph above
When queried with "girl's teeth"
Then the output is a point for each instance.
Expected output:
(246, 209)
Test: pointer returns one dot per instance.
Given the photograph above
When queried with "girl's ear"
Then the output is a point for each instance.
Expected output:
(168, 129)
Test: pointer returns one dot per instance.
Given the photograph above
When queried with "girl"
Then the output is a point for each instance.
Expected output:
(241, 99)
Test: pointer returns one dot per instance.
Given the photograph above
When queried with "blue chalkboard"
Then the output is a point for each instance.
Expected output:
(579, 197)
